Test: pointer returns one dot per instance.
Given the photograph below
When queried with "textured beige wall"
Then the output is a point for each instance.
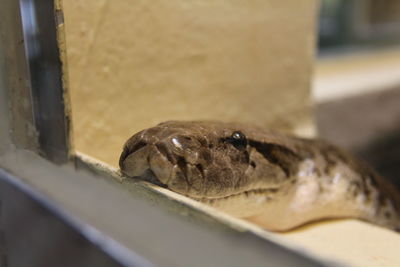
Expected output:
(133, 64)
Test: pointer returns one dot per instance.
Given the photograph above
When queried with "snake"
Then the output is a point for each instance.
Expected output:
(277, 181)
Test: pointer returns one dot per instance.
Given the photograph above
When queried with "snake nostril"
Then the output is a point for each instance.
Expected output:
(200, 169)
(182, 165)
(164, 151)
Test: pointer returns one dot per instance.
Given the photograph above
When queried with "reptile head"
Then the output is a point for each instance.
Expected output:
(199, 160)
(252, 174)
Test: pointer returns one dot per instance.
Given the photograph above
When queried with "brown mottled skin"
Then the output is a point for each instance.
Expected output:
(277, 181)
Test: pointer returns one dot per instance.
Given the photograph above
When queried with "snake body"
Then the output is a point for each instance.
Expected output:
(277, 181)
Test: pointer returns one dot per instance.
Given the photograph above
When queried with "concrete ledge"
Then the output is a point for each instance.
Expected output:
(131, 226)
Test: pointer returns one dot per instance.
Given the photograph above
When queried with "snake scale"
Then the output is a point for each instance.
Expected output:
(277, 181)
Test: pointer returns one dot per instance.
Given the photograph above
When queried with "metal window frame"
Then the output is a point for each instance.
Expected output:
(40, 20)
(48, 206)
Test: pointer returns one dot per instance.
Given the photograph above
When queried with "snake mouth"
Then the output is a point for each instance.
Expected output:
(246, 193)
(161, 164)
(157, 165)
(150, 177)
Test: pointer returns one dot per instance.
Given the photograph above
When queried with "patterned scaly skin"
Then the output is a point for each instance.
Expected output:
(277, 181)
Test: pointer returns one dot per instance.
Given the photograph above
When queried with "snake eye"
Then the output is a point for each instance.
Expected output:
(238, 140)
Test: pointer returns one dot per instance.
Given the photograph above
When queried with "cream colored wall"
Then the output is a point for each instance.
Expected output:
(133, 64)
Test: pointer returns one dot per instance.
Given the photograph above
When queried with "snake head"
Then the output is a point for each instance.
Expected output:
(196, 159)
